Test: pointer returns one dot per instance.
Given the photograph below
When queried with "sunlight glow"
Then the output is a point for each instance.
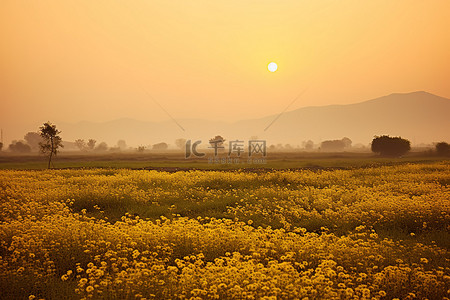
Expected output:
(272, 67)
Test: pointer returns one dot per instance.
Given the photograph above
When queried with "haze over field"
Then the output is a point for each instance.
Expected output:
(224, 149)
(109, 64)
(419, 116)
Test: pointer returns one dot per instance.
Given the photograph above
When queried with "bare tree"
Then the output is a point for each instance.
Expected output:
(51, 140)
(81, 144)
(91, 144)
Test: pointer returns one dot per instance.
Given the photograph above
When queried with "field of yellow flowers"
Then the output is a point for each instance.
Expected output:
(363, 233)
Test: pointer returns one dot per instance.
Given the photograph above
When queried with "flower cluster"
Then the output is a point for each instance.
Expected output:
(373, 233)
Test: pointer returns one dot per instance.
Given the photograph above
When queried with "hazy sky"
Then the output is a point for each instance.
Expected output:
(93, 60)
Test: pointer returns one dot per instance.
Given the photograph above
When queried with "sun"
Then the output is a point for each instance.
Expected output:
(272, 67)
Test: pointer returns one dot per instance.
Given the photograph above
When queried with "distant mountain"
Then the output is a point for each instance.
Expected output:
(420, 117)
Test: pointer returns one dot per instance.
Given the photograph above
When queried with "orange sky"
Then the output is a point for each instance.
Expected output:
(91, 60)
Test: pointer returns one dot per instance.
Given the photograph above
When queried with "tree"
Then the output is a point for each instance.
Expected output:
(181, 143)
(219, 140)
(81, 144)
(19, 146)
(217, 143)
(308, 145)
(101, 147)
(91, 144)
(33, 139)
(51, 140)
(390, 146)
(336, 145)
(160, 146)
(347, 142)
(443, 149)
(122, 144)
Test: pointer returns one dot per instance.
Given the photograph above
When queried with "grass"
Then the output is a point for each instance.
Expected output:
(175, 161)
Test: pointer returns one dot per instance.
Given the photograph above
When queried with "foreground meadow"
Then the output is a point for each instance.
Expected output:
(363, 233)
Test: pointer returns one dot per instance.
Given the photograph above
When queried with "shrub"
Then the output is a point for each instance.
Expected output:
(443, 149)
(390, 146)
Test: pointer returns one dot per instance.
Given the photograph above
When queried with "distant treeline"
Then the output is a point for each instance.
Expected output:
(383, 145)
